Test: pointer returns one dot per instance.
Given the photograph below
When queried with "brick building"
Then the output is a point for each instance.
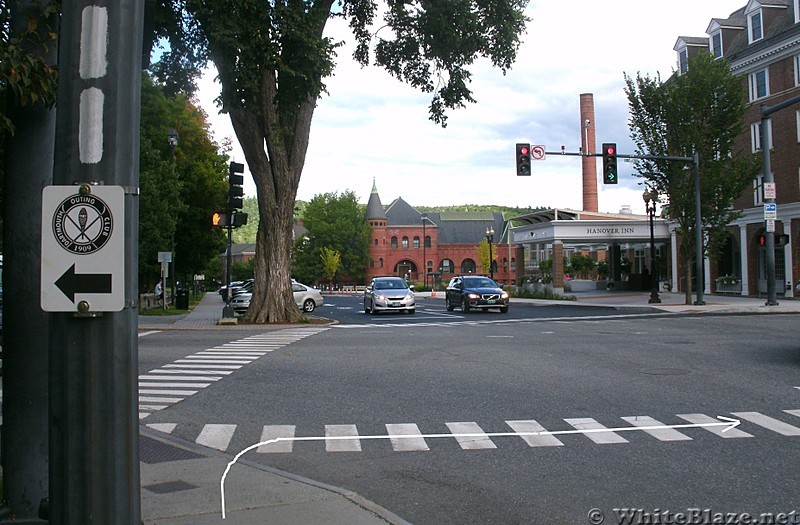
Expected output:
(403, 238)
(761, 42)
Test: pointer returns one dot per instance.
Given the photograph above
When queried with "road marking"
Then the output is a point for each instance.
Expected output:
(500, 336)
(168, 400)
(149, 332)
(205, 365)
(173, 385)
(474, 441)
(274, 432)
(167, 392)
(207, 372)
(601, 435)
(531, 428)
(702, 419)
(342, 445)
(179, 378)
(768, 422)
(216, 436)
(166, 428)
(406, 437)
(664, 434)
(793, 412)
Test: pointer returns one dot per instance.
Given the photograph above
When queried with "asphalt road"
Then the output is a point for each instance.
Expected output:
(550, 365)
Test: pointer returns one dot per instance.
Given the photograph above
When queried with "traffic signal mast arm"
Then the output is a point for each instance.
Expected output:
(619, 156)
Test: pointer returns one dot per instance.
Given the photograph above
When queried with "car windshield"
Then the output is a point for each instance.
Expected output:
(390, 284)
(479, 282)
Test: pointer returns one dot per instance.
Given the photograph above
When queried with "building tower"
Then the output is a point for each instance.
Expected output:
(589, 147)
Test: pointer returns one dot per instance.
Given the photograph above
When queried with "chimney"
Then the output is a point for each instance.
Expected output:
(588, 146)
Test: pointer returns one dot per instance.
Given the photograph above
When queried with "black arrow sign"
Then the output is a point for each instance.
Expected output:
(71, 283)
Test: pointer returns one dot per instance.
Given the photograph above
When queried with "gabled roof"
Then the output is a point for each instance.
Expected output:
(690, 41)
(401, 213)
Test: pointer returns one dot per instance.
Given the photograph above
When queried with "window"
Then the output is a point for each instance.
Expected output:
(759, 84)
(639, 257)
(376, 242)
(797, 122)
(394, 243)
(427, 241)
(796, 11)
(755, 135)
(405, 242)
(505, 264)
(797, 68)
(468, 266)
(758, 191)
(380, 262)
(513, 264)
(754, 23)
(446, 266)
(371, 263)
(683, 61)
(716, 44)
(416, 242)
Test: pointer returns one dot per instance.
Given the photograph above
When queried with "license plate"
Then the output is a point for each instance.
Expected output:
(490, 301)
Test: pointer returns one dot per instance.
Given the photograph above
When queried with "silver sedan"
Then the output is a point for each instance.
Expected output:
(306, 298)
(389, 293)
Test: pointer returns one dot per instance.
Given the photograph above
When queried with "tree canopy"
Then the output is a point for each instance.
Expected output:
(273, 57)
(334, 222)
(699, 111)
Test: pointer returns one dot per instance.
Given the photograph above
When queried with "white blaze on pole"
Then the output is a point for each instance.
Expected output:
(93, 64)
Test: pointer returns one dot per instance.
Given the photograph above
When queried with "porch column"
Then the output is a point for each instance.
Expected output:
(673, 248)
(743, 258)
(707, 276)
(787, 254)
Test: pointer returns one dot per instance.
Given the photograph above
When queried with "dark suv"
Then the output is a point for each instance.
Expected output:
(475, 291)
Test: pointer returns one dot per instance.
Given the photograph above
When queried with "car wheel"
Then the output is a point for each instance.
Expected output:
(504, 310)
(372, 309)
(449, 306)
(464, 305)
(366, 310)
(309, 305)
(412, 311)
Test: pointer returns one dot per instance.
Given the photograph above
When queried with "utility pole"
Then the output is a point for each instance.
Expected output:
(94, 429)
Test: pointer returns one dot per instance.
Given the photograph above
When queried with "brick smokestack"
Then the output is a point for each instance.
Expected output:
(589, 146)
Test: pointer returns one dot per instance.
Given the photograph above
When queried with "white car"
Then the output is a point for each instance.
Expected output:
(385, 294)
(306, 298)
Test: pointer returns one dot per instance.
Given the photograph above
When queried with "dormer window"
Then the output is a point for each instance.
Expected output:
(755, 28)
(683, 61)
(716, 44)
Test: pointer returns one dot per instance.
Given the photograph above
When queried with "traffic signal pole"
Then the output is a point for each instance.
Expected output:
(698, 218)
(94, 426)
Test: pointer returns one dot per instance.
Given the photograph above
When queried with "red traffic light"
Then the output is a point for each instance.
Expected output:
(524, 150)
(611, 150)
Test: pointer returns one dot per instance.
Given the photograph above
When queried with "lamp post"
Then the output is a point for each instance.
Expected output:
(172, 138)
(650, 199)
(489, 239)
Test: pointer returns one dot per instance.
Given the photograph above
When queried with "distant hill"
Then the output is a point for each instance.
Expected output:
(507, 211)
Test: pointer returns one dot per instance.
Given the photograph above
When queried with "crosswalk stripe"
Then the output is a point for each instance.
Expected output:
(769, 423)
(216, 436)
(530, 425)
(700, 419)
(153, 377)
(793, 412)
(167, 392)
(476, 438)
(213, 361)
(152, 407)
(406, 444)
(166, 428)
(342, 445)
(662, 434)
(143, 415)
(205, 365)
(152, 399)
(601, 438)
(194, 371)
(174, 385)
(276, 431)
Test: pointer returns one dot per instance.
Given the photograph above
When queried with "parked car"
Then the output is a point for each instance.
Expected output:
(389, 293)
(475, 291)
(306, 298)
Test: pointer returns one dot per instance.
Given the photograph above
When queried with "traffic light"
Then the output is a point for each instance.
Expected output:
(219, 218)
(610, 163)
(523, 160)
(239, 219)
(781, 240)
(235, 190)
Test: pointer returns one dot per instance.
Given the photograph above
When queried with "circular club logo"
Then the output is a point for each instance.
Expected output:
(82, 224)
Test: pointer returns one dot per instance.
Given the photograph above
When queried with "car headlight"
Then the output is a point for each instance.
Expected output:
(472, 296)
(504, 295)
(380, 297)
(410, 296)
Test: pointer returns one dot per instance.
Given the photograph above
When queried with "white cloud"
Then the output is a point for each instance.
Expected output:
(371, 125)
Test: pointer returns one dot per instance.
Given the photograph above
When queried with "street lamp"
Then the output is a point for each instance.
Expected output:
(489, 239)
(650, 199)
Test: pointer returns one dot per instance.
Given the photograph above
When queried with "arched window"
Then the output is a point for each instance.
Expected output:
(416, 242)
(405, 242)
(505, 264)
(468, 266)
(446, 266)
(394, 243)
(380, 262)
(513, 264)
(371, 263)
(376, 242)
(427, 241)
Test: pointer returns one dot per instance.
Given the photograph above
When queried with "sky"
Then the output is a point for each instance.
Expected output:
(371, 126)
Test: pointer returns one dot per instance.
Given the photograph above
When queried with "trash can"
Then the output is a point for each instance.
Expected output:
(182, 299)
